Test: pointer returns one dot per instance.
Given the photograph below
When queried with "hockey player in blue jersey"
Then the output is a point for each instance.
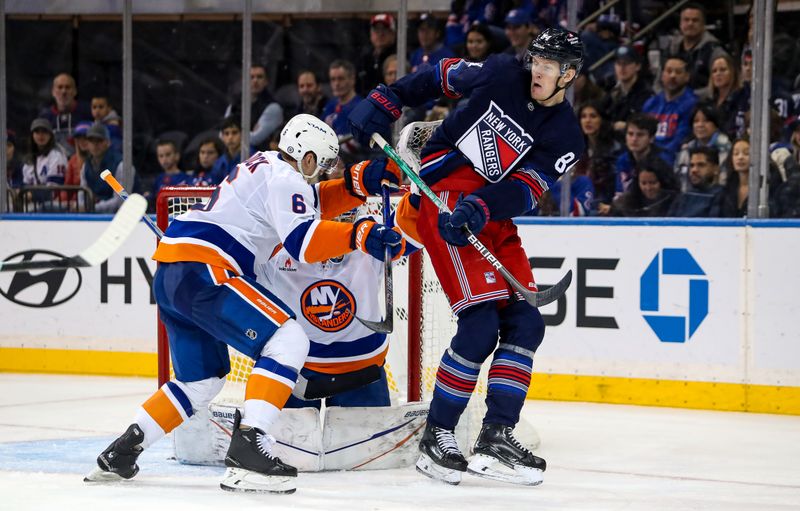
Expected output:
(490, 161)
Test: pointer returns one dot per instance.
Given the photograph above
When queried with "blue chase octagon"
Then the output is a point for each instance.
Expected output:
(666, 264)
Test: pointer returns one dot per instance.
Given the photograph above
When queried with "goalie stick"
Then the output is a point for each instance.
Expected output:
(387, 325)
(121, 226)
(537, 299)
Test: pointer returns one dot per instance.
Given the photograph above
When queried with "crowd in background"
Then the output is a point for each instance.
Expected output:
(666, 119)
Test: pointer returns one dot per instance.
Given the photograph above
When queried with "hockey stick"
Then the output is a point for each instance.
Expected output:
(387, 325)
(537, 299)
(109, 178)
(121, 226)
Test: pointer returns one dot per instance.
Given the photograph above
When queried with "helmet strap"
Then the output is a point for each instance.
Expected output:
(558, 87)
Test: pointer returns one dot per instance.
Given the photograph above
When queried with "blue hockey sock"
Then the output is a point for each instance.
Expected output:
(509, 378)
(455, 381)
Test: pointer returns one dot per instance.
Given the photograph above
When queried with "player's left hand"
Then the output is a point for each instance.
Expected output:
(373, 238)
(471, 212)
(366, 177)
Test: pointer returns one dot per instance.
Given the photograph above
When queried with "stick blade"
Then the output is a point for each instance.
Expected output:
(382, 327)
(123, 224)
(551, 294)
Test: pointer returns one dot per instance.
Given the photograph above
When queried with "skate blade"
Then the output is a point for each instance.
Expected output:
(99, 475)
(427, 467)
(241, 480)
(491, 468)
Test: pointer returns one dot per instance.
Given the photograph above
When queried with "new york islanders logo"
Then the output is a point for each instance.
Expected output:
(328, 305)
(494, 144)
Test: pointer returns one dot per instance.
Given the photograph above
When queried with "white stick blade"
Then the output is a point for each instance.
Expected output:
(123, 224)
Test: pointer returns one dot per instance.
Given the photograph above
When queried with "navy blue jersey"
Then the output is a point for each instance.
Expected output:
(502, 132)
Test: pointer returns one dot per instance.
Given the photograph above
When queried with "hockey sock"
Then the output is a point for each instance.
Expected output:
(509, 378)
(455, 381)
(268, 387)
(163, 412)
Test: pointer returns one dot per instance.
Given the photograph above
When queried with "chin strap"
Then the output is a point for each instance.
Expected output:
(559, 88)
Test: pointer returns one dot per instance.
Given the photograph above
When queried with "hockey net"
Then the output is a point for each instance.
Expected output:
(423, 322)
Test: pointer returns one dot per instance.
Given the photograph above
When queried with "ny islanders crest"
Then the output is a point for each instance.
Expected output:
(494, 144)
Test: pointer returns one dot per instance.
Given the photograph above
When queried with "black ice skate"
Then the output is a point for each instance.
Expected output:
(118, 461)
(441, 458)
(500, 456)
(251, 466)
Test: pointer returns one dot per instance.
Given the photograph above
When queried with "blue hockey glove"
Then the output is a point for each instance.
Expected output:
(375, 114)
(471, 212)
(366, 177)
(373, 238)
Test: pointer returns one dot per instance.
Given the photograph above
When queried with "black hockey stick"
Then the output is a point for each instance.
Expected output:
(121, 226)
(537, 299)
(387, 325)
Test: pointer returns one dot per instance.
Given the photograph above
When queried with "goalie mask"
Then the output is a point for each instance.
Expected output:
(305, 134)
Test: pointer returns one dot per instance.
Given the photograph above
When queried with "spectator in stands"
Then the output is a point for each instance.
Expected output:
(75, 162)
(743, 103)
(694, 44)
(390, 69)
(208, 152)
(103, 112)
(724, 91)
(672, 106)
(602, 151)
(464, 15)
(586, 90)
(627, 97)
(598, 42)
(46, 165)
(737, 187)
(312, 100)
(171, 174)
(639, 144)
(266, 115)
(705, 132)
(480, 43)
(793, 125)
(231, 135)
(520, 31)
(65, 111)
(102, 157)
(13, 163)
(786, 203)
(705, 196)
(431, 50)
(581, 197)
(651, 194)
(342, 76)
(382, 38)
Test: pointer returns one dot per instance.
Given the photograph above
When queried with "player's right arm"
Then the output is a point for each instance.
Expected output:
(309, 239)
(452, 78)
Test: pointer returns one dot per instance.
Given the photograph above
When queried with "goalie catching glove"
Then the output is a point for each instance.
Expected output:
(381, 108)
(367, 177)
(373, 238)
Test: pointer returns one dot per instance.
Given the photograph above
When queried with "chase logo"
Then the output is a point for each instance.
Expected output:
(328, 305)
(38, 288)
(672, 263)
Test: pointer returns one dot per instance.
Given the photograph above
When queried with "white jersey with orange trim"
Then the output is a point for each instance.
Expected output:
(326, 298)
(264, 202)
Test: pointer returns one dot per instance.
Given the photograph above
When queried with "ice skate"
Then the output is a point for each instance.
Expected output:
(441, 458)
(251, 467)
(500, 456)
(118, 461)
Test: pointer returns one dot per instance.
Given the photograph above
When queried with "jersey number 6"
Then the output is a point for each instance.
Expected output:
(298, 204)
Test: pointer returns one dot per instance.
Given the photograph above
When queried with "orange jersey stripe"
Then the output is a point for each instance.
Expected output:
(334, 199)
(275, 250)
(346, 367)
(161, 409)
(405, 218)
(260, 301)
(179, 252)
(329, 239)
(266, 389)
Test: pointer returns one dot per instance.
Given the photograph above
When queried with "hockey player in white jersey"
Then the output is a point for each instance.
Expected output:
(208, 297)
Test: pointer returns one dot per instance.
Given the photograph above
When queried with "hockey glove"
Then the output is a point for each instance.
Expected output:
(373, 238)
(471, 212)
(375, 114)
(365, 178)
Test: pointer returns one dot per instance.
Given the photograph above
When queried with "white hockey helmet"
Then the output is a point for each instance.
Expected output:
(304, 134)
